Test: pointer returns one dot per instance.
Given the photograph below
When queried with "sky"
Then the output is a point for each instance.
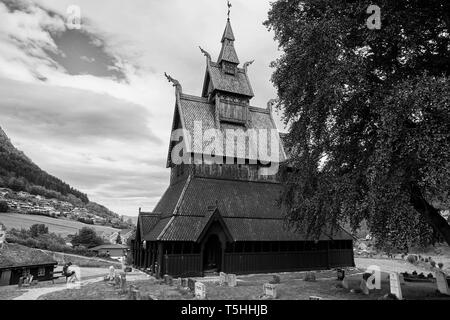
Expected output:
(92, 107)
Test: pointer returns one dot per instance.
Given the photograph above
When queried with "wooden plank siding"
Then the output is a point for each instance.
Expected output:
(340, 258)
(275, 261)
(183, 265)
(260, 262)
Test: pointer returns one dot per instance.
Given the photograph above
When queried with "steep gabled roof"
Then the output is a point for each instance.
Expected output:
(192, 110)
(228, 53)
(247, 210)
(237, 84)
(228, 32)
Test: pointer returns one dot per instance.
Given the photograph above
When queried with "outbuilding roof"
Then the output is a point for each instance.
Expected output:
(15, 255)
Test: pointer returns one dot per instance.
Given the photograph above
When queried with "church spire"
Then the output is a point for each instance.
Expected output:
(228, 53)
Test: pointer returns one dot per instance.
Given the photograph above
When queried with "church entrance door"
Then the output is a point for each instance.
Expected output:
(212, 254)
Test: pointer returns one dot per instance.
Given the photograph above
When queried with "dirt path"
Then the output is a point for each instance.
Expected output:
(34, 294)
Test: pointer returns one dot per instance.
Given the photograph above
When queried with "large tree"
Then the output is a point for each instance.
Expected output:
(368, 114)
(87, 237)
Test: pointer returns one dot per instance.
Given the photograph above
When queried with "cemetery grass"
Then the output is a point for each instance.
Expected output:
(292, 287)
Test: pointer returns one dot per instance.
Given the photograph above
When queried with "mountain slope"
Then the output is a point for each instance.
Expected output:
(20, 173)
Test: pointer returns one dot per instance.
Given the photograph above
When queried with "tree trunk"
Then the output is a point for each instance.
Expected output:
(430, 213)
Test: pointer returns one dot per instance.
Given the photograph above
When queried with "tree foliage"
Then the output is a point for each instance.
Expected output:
(87, 237)
(38, 229)
(20, 174)
(368, 116)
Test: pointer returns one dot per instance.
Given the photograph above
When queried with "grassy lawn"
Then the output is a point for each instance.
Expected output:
(62, 227)
(292, 287)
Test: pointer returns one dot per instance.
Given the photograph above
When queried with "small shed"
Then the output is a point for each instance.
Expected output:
(17, 260)
(113, 250)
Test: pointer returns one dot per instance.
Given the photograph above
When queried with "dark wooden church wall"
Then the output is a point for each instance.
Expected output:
(248, 257)
(271, 261)
(183, 265)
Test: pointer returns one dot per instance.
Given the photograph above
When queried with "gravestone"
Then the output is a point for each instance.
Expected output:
(2, 236)
(340, 274)
(223, 278)
(396, 288)
(177, 282)
(270, 290)
(345, 283)
(442, 284)
(191, 284)
(168, 280)
(184, 282)
(200, 290)
(112, 273)
(231, 280)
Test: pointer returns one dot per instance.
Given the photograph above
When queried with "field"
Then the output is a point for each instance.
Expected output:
(58, 226)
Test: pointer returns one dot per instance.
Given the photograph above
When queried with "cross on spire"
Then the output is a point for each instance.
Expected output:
(229, 8)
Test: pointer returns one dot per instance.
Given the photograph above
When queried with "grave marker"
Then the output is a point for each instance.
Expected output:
(168, 280)
(184, 282)
(345, 283)
(223, 278)
(442, 284)
(270, 290)
(231, 280)
(112, 273)
(200, 290)
(396, 288)
(340, 274)
(191, 284)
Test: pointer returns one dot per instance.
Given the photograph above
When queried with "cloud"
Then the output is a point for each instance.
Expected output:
(73, 114)
(92, 106)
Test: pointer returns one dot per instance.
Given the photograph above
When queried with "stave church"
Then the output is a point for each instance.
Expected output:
(223, 216)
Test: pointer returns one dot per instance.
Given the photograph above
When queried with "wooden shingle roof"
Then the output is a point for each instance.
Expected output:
(198, 110)
(249, 211)
(238, 84)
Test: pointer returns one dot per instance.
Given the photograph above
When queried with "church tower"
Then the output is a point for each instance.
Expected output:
(220, 211)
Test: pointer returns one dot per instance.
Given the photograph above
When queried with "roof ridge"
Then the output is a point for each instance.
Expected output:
(193, 98)
(236, 180)
(258, 109)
